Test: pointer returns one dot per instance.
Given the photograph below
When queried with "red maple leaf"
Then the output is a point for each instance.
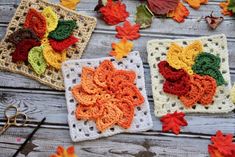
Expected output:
(128, 31)
(162, 7)
(114, 12)
(222, 144)
(173, 122)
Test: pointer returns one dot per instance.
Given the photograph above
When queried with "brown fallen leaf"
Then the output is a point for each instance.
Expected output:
(213, 21)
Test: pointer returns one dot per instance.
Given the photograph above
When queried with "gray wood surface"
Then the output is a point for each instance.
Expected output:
(38, 100)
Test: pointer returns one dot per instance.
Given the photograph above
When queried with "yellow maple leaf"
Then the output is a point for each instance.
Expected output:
(121, 49)
(61, 152)
(71, 4)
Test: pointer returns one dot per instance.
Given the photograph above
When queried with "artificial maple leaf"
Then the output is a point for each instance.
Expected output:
(213, 21)
(162, 7)
(173, 122)
(224, 6)
(180, 13)
(71, 4)
(61, 152)
(223, 143)
(144, 16)
(114, 12)
(196, 3)
(128, 31)
(214, 152)
(231, 6)
(121, 49)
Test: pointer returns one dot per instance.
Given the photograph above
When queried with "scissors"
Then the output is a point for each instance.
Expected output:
(14, 118)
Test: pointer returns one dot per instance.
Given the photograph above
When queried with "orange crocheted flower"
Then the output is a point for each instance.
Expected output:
(36, 22)
(114, 12)
(107, 96)
(61, 152)
(224, 7)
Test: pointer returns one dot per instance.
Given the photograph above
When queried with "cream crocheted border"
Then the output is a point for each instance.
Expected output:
(166, 103)
(81, 130)
(51, 77)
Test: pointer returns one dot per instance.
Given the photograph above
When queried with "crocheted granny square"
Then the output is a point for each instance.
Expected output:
(51, 77)
(167, 103)
(81, 130)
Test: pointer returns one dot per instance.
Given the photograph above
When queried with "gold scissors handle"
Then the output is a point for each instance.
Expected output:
(13, 119)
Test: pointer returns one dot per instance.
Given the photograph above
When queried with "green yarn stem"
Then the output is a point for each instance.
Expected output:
(64, 29)
(37, 60)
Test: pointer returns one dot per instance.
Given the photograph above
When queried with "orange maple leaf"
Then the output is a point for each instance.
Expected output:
(196, 3)
(224, 7)
(180, 13)
(128, 31)
(71, 4)
(121, 49)
(61, 152)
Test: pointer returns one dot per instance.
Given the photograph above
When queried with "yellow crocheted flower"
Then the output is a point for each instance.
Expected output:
(61, 152)
(183, 57)
(51, 19)
(232, 94)
(54, 59)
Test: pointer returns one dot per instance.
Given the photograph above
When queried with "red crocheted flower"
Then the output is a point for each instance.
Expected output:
(36, 22)
(222, 145)
(23, 48)
(173, 122)
(114, 12)
(60, 46)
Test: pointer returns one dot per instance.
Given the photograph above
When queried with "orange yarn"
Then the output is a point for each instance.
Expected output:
(107, 96)
(102, 73)
(193, 95)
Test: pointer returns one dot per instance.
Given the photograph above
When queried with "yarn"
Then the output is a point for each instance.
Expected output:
(51, 19)
(61, 45)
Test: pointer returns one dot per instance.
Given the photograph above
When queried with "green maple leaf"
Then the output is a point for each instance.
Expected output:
(144, 17)
(232, 6)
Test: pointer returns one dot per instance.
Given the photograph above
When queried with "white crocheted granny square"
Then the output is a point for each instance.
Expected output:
(167, 103)
(81, 130)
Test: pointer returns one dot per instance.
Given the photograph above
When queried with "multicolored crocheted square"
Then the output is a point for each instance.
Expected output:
(40, 37)
(190, 75)
(106, 97)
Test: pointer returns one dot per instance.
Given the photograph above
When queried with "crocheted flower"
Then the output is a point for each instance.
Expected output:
(196, 3)
(128, 31)
(51, 18)
(23, 48)
(208, 64)
(121, 49)
(53, 58)
(222, 145)
(20, 35)
(62, 45)
(114, 12)
(63, 30)
(107, 96)
(36, 60)
(61, 152)
(173, 122)
(183, 57)
(36, 22)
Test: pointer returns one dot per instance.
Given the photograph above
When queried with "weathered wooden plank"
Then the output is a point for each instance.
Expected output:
(123, 145)
(38, 104)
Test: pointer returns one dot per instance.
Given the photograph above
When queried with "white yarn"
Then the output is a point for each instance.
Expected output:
(166, 103)
(86, 130)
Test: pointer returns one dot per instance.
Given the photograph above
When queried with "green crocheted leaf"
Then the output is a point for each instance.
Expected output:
(64, 29)
(37, 60)
(144, 17)
(208, 59)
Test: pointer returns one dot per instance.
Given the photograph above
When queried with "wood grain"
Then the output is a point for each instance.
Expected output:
(38, 100)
